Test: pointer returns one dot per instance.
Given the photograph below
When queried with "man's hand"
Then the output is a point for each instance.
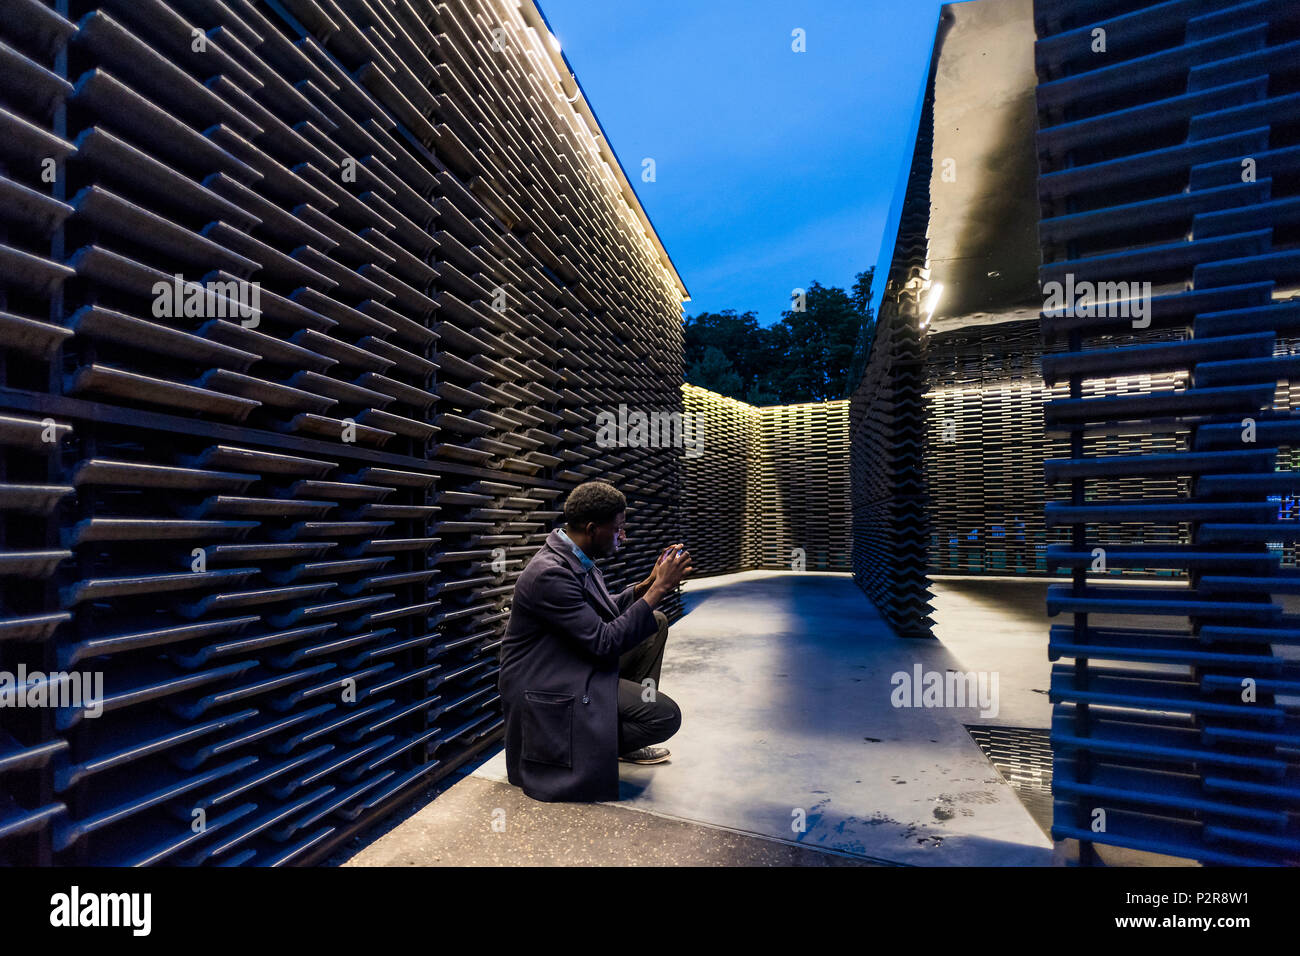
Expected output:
(643, 586)
(672, 567)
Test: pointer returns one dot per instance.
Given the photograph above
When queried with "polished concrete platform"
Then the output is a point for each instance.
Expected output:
(789, 732)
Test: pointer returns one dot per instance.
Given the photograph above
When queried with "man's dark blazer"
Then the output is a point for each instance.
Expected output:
(559, 676)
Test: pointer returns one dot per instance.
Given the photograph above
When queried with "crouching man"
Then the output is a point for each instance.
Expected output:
(580, 667)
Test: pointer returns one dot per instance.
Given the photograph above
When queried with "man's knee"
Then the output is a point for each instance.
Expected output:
(661, 619)
(668, 718)
(676, 724)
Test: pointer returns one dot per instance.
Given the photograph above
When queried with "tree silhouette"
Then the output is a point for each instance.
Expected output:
(813, 354)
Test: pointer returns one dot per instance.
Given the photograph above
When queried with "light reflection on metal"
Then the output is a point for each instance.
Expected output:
(968, 216)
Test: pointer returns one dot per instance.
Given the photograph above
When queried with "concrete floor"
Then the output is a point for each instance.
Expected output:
(480, 822)
(784, 680)
(999, 624)
(785, 683)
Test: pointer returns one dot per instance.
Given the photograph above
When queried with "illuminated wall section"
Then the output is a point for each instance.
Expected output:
(767, 487)
(721, 484)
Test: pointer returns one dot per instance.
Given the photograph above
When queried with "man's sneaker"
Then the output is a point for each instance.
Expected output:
(647, 755)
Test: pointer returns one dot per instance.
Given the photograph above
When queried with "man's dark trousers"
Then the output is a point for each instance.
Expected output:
(644, 722)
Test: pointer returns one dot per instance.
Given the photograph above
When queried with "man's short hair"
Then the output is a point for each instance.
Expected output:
(597, 501)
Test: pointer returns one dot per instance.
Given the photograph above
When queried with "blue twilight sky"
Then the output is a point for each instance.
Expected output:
(774, 168)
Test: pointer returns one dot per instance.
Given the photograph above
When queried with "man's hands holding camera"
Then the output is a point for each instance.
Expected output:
(673, 565)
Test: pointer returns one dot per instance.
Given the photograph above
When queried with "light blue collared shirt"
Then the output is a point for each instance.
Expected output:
(591, 569)
(582, 557)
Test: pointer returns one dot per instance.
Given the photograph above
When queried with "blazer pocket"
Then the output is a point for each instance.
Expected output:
(548, 728)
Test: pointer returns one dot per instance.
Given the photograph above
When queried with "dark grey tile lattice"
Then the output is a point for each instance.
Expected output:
(238, 516)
